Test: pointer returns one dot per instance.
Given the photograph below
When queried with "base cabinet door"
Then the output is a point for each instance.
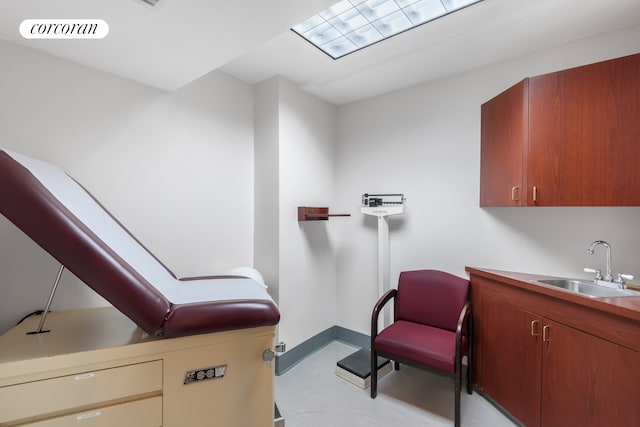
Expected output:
(587, 381)
(511, 364)
(548, 374)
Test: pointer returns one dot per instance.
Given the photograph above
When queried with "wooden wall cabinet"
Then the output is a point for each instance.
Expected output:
(569, 138)
(546, 372)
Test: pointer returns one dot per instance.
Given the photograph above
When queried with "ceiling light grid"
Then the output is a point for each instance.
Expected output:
(350, 25)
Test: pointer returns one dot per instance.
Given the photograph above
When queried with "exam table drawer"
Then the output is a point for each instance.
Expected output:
(139, 413)
(82, 390)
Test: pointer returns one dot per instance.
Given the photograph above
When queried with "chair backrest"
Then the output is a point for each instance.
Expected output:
(431, 297)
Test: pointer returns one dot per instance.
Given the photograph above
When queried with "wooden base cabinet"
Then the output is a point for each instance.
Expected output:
(95, 368)
(545, 372)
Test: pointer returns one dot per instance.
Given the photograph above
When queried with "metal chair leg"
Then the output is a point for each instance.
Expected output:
(470, 357)
(469, 375)
(374, 374)
(457, 396)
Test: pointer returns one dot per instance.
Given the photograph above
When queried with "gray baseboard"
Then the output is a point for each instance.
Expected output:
(290, 358)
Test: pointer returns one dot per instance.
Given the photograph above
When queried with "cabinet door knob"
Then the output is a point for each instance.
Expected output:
(534, 328)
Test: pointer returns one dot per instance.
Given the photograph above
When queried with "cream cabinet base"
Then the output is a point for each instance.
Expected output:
(96, 368)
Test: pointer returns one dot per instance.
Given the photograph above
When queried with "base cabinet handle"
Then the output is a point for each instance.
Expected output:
(534, 328)
(514, 193)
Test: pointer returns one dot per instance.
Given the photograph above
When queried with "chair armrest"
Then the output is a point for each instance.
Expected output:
(464, 313)
(384, 299)
(464, 316)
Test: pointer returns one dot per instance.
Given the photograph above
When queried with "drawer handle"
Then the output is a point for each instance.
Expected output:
(86, 376)
(88, 415)
(534, 328)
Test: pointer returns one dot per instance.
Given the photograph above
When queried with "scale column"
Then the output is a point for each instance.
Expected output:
(383, 267)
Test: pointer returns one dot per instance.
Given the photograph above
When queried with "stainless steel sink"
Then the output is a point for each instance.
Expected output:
(588, 288)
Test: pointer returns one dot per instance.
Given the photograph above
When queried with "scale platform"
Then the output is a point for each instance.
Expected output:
(356, 368)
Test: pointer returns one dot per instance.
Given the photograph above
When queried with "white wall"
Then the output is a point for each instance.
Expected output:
(299, 129)
(425, 142)
(176, 169)
(267, 183)
(307, 253)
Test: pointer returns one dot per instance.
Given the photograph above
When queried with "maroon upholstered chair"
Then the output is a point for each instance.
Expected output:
(431, 329)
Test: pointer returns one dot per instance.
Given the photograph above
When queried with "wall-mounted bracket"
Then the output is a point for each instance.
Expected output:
(307, 213)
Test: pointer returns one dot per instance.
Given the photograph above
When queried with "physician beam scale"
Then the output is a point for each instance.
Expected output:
(383, 206)
(356, 368)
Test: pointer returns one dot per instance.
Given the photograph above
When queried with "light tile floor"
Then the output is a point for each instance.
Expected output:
(311, 395)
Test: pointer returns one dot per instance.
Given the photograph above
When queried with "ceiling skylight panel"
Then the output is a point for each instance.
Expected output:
(322, 34)
(348, 21)
(422, 11)
(365, 36)
(336, 10)
(339, 47)
(405, 3)
(452, 5)
(310, 23)
(350, 25)
(376, 9)
(393, 23)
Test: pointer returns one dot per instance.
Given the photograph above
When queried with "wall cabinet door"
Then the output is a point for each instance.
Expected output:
(584, 130)
(587, 381)
(511, 362)
(504, 122)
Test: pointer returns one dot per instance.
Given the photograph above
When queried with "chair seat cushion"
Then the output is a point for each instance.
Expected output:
(421, 343)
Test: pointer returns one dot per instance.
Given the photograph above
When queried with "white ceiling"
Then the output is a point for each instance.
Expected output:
(178, 41)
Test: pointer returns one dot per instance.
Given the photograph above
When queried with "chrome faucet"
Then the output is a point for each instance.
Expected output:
(608, 275)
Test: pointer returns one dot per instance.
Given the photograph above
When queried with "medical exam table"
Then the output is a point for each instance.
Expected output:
(168, 351)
